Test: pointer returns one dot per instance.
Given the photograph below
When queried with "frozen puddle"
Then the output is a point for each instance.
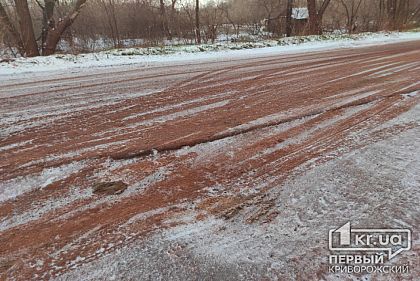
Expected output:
(411, 95)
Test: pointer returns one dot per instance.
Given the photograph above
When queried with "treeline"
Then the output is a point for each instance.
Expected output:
(41, 27)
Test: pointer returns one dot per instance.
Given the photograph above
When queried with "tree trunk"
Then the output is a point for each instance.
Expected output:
(391, 13)
(47, 21)
(26, 28)
(314, 20)
(400, 14)
(197, 21)
(381, 14)
(315, 16)
(16, 40)
(115, 23)
(164, 20)
(289, 18)
(55, 33)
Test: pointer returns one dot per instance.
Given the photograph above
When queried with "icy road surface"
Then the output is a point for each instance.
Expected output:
(235, 169)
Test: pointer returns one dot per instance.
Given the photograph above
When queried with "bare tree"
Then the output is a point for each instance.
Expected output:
(315, 15)
(212, 17)
(11, 30)
(52, 29)
(289, 18)
(111, 21)
(27, 33)
(56, 30)
(164, 19)
(47, 20)
(398, 12)
(28, 29)
(197, 21)
(351, 7)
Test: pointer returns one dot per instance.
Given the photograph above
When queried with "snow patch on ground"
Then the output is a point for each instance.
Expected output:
(411, 94)
(147, 56)
(15, 187)
(37, 211)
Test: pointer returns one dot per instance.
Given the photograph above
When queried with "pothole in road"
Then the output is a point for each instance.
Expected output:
(109, 188)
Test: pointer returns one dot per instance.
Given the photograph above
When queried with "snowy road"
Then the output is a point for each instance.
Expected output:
(229, 165)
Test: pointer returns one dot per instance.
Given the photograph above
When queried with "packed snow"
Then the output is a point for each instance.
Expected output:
(29, 183)
(220, 51)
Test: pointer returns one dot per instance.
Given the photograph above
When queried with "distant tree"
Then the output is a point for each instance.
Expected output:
(289, 18)
(351, 7)
(398, 13)
(197, 21)
(111, 20)
(164, 19)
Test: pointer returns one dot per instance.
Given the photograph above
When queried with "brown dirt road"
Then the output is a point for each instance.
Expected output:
(212, 139)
